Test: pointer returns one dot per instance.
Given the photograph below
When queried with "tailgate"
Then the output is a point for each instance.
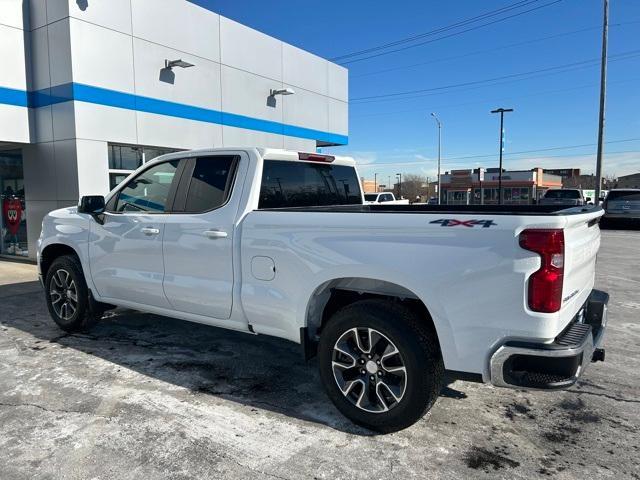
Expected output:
(582, 241)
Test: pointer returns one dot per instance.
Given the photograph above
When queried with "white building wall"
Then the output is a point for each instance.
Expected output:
(102, 64)
(14, 117)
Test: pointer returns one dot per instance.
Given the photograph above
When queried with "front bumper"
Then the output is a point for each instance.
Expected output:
(555, 365)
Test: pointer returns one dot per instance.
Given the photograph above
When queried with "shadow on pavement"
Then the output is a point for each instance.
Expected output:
(259, 371)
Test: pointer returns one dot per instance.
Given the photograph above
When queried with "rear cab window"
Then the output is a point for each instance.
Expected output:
(563, 194)
(307, 184)
(628, 195)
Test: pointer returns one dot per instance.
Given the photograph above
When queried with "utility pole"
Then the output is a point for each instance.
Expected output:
(439, 150)
(399, 175)
(603, 94)
(501, 111)
(375, 182)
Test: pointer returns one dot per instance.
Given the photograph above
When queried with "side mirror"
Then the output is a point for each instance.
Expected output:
(92, 204)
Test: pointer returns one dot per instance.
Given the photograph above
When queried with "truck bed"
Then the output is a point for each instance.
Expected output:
(537, 210)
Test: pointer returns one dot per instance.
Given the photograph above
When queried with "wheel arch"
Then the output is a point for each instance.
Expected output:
(53, 251)
(334, 294)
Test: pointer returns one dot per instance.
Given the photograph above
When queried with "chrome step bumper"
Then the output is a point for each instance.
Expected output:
(555, 365)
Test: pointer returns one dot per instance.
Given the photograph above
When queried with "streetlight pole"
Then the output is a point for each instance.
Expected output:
(399, 175)
(603, 94)
(439, 150)
(501, 111)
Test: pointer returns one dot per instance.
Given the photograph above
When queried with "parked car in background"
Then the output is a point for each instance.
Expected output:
(384, 197)
(564, 196)
(622, 206)
(393, 299)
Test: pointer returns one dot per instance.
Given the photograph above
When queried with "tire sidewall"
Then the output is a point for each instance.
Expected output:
(424, 368)
(71, 265)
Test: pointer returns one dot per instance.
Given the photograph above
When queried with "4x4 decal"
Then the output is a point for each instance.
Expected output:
(452, 222)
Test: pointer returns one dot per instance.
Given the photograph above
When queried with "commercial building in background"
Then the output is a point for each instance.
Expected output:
(92, 89)
(371, 186)
(564, 173)
(466, 187)
(628, 181)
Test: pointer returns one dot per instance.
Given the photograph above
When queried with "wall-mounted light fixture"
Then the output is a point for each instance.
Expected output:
(177, 63)
(281, 91)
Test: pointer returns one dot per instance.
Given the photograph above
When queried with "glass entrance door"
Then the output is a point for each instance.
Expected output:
(13, 218)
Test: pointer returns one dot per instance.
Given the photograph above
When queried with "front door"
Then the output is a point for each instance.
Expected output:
(126, 250)
(198, 237)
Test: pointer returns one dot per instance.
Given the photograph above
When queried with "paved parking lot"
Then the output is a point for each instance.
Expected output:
(148, 397)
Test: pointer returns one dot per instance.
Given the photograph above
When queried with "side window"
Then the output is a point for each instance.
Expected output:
(305, 184)
(210, 183)
(149, 191)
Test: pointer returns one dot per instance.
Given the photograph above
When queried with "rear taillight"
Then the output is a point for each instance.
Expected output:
(545, 284)
(315, 157)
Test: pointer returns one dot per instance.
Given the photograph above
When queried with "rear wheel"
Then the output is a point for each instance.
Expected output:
(67, 296)
(380, 364)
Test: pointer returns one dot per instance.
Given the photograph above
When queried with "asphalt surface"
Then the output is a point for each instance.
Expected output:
(148, 397)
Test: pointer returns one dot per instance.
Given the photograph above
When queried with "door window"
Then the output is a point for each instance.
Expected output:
(149, 191)
(210, 183)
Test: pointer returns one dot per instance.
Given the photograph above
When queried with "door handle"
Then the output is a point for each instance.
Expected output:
(213, 234)
(150, 231)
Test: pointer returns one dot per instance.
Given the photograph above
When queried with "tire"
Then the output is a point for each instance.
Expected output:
(407, 395)
(65, 283)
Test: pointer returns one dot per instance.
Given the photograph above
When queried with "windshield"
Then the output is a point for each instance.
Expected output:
(629, 195)
(575, 194)
(370, 197)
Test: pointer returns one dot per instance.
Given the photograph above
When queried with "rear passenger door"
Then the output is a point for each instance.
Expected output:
(198, 237)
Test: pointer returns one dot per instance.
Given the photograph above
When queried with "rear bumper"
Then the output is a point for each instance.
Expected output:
(559, 364)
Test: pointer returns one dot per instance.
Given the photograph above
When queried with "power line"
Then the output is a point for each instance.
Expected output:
(547, 149)
(566, 67)
(489, 14)
(422, 162)
(449, 35)
(480, 52)
(475, 102)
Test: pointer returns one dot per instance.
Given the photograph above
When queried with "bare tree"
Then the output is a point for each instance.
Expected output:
(414, 185)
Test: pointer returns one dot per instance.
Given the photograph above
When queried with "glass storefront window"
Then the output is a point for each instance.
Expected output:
(13, 220)
(124, 159)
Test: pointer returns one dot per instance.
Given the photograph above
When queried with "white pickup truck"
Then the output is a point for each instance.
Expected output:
(384, 197)
(394, 299)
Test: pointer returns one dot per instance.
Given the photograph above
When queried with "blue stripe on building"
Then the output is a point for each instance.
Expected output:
(113, 98)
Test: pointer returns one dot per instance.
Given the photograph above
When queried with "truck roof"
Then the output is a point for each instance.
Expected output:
(292, 155)
(266, 153)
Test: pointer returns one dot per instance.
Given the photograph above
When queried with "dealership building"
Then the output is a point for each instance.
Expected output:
(92, 89)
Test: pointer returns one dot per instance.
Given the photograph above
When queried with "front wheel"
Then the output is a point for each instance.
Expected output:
(380, 364)
(67, 295)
